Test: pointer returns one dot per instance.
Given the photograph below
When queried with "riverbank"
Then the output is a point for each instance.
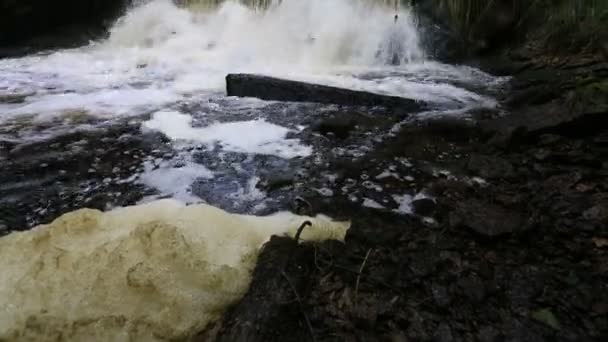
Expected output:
(513, 245)
(484, 225)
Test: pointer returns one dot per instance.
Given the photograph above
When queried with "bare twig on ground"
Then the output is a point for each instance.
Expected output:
(361, 271)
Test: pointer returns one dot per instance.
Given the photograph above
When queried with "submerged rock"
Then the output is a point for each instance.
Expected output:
(155, 272)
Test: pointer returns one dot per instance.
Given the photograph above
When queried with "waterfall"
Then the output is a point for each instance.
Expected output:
(293, 34)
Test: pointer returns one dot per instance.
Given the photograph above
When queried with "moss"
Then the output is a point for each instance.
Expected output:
(589, 98)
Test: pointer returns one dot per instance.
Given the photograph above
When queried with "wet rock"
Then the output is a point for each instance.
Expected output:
(450, 128)
(601, 139)
(416, 330)
(423, 263)
(551, 118)
(271, 294)
(440, 295)
(443, 333)
(488, 334)
(275, 89)
(277, 180)
(485, 219)
(473, 288)
(13, 98)
(547, 317)
(397, 336)
(597, 213)
(548, 139)
(424, 206)
(490, 167)
(542, 154)
(338, 126)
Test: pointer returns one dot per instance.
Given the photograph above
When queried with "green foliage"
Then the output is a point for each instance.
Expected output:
(577, 23)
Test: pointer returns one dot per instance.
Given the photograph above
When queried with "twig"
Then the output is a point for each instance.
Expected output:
(299, 232)
(295, 292)
(361, 271)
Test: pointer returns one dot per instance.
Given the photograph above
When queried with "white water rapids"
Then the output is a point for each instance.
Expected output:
(161, 57)
(163, 270)
(159, 54)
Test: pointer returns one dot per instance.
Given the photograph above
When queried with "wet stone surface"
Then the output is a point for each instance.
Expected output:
(515, 248)
(453, 238)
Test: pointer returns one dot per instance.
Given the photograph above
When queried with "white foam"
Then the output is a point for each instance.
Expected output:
(388, 174)
(159, 54)
(254, 136)
(249, 193)
(405, 204)
(156, 272)
(370, 203)
(174, 181)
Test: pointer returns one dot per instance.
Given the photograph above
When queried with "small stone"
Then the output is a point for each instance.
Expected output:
(542, 154)
(548, 139)
(424, 206)
(490, 167)
(547, 317)
(584, 187)
(596, 213)
(440, 295)
(443, 333)
(398, 336)
(13, 98)
(600, 308)
(601, 139)
(340, 127)
(600, 242)
(485, 219)
(488, 334)
(473, 288)
(277, 180)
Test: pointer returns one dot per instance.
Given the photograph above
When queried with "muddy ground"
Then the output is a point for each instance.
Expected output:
(512, 244)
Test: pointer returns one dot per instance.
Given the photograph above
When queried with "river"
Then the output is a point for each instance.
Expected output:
(142, 116)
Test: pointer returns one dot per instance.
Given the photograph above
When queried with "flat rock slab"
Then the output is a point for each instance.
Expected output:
(276, 89)
(486, 219)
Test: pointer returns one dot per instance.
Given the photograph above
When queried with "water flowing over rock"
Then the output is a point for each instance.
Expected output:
(270, 88)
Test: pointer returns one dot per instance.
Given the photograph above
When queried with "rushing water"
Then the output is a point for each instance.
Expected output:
(142, 115)
(163, 68)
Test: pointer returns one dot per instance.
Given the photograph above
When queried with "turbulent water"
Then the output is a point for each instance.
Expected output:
(168, 63)
(142, 115)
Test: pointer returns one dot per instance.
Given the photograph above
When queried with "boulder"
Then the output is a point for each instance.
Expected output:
(485, 219)
(276, 89)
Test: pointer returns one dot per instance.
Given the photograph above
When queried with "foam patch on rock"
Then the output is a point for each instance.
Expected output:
(154, 272)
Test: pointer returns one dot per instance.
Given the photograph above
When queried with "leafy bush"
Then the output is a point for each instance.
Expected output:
(558, 23)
